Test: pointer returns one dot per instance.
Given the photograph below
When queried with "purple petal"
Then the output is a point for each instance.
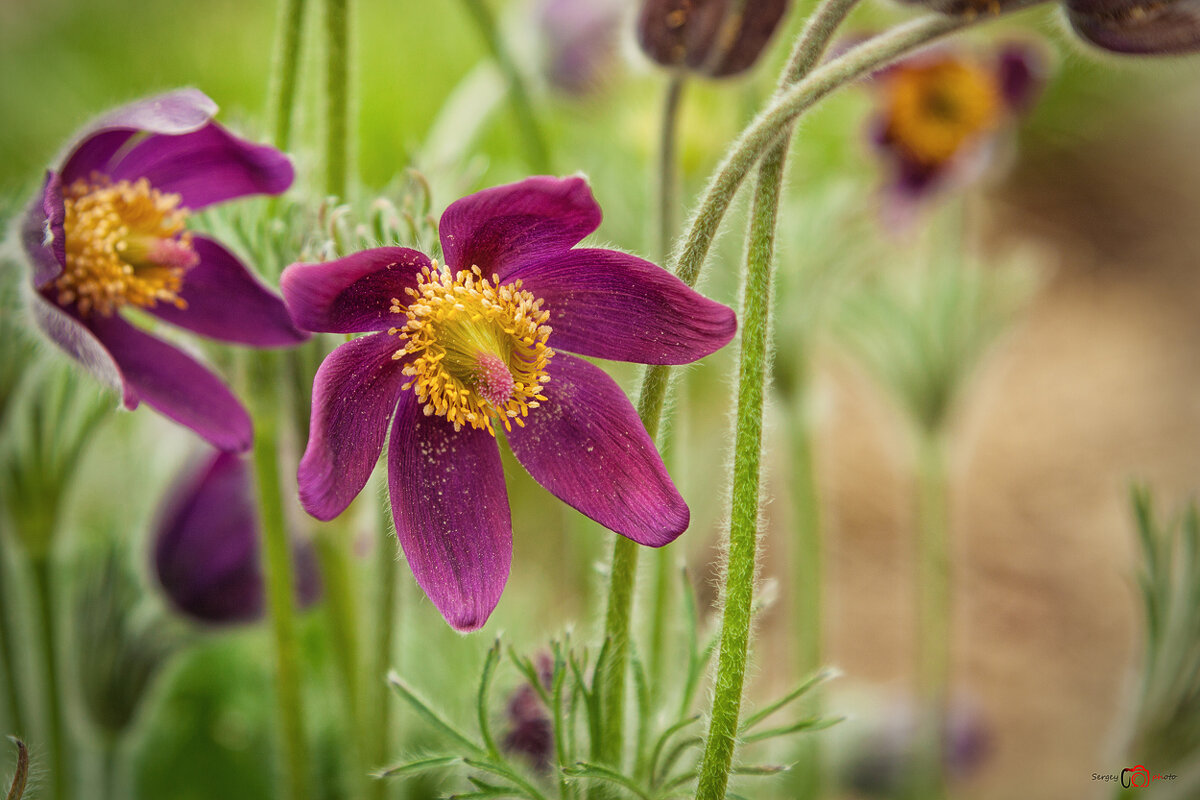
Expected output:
(178, 112)
(588, 447)
(354, 394)
(608, 304)
(42, 232)
(451, 511)
(1021, 73)
(76, 340)
(351, 294)
(174, 384)
(225, 301)
(502, 229)
(205, 167)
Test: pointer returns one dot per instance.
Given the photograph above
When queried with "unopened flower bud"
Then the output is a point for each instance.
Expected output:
(708, 36)
(972, 8)
(530, 731)
(1138, 27)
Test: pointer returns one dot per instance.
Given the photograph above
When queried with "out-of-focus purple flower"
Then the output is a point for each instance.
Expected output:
(108, 231)
(580, 42)
(206, 548)
(1138, 27)
(707, 36)
(456, 352)
(939, 113)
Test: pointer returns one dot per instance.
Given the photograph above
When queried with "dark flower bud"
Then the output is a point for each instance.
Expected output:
(972, 8)
(1138, 27)
(206, 551)
(708, 36)
(530, 731)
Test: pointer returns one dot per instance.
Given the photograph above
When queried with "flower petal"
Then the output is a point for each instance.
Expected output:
(225, 301)
(354, 394)
(205, 167)
(173, 113)
(451, 511)
(80, 343)
(175, 384)
(351, 294)
(609, 304)
(588, 447)
(506, 227)
(44, 221)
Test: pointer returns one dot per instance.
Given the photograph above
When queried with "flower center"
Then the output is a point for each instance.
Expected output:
(125, 244)
(937, 108)
(477, 350)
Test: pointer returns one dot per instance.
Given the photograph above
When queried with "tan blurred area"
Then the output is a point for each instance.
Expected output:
(1096, 385)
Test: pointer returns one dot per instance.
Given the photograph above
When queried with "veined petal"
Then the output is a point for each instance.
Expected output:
(354, 293)
(354, 394)
(205, 166)
(504, 228)
(44, 219)
(225, 301)
(175, 384)
(609, 304)
(451, 511)
(588, 447)
(174, 113)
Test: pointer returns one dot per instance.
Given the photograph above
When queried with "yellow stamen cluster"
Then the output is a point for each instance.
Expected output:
(125, 244)
(938, 107)
(461, 330)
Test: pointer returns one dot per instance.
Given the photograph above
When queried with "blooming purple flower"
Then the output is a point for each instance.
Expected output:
(206, 547)
(457, 352)
(939, 113)
(107, 231)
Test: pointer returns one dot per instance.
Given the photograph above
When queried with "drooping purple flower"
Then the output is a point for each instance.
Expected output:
(207, 551)
(108, 231)
(580, 42)
(455, 353)
(711, 37)
(1138, 27)
(939, 113)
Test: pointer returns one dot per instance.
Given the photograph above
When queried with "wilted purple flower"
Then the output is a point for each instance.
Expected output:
(707, 36)
(580, 42)
(206, 548)
(939, 113)
(1138, 27)
(456, 352)
(108, 231)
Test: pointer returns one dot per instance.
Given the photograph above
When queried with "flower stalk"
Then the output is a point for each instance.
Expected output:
(337, 97)
(8, 650)
(668, 165)
(385, 605)
(60, 765)
(285, 70)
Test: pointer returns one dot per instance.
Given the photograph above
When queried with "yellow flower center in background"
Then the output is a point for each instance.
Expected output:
(125, 244)
(935, 109)
(477, 349)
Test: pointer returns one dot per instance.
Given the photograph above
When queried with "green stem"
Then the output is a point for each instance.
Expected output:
(8, 652)
(110, 759)
(933, 618)
(385, 625)
(337, 96)
(668, 165)
(743, 524)
(285, 70)
(280, 582)
(58, 766)
(537, 154)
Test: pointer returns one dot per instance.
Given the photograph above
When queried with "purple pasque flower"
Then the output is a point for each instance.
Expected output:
(108, 231)
(939, 113)
(207, 546)
(456, 353)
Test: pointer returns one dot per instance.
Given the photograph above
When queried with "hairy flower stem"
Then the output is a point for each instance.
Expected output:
(285, 69)
(668, 166)
(337, 96)
(537, 154)
(58, 766)
(385, 624)
(280, 582)
(8, 652)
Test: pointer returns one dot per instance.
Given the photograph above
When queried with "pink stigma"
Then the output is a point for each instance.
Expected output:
(493, 381)
(173, 253)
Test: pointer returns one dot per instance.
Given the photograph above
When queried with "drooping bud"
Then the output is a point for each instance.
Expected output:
(1138, 27)
(972, 8)
(206, 551)
(710, 37)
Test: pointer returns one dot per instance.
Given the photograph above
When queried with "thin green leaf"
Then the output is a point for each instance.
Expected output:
(810, 725)
(602, 773)
(431, 716)
(481, 701)
(419, 765)
(818, 678)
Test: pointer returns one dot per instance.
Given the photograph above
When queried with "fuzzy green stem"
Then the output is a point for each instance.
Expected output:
(280, 582)
(933, 618)
(285, 69)
(747, 455)
(8, 651)
(58, 766)
(668, 165)
(337, 96)
(537, 154)
(380, 717)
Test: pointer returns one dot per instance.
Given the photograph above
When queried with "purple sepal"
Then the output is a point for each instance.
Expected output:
(354, 293)
(587, 446)
(1021, 74)
(42, 234)
(451, 512)
(81, 344)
